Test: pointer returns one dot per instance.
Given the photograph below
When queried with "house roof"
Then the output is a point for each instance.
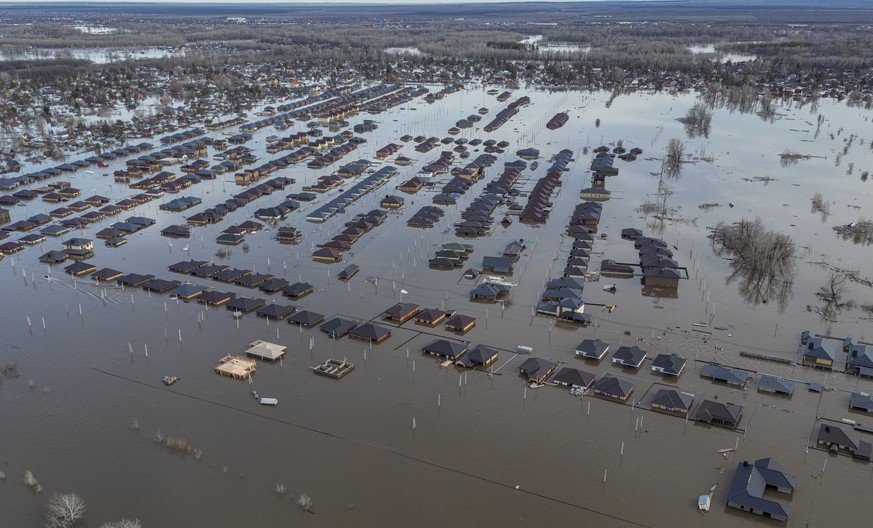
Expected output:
(565, 282)
(338, 327)
(574, 377)
(724, 412)
(481, 354)
(535, 368)
(750, 481)
(160, 285)
(460, 320)
(446, 348)
(614, 386)
(497, 264)
(774, 384)
(629, 356)
(831, 434)
(821, 348)
(860, 356)
(187, 290)
(187, 266)
(297, 289)
(670, 363)
(673, 399)
(592, 348)
(265, 350)
(430, 314)
(861, 400)
(306, 318)
(370, 331)
(724, 374)
(245, 304)
(400, 310)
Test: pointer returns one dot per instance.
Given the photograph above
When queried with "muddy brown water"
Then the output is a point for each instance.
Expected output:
(492, 452)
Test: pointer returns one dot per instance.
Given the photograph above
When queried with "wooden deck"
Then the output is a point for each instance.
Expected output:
(236, 367)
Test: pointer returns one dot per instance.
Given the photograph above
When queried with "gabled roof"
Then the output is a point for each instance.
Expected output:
(773, 384)
(574, 377)
(831, 434)
(669, 363)
(481, 354)
(306, 318)
(821, 348)
(860, 356)
(338, 327)
(592, 348)
(723, 412)
(370, 331)
(445, 348)
(614, 386)
(401, 310)
(460, 320)
(297, 289)
(187, 266)
(673, 400)
(536, 368)
(629, 356)
(724, 374)
(245, 304)
(497, 264)
(862, 401)
(749, 483)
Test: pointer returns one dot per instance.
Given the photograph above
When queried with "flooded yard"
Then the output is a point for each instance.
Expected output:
(401, 439)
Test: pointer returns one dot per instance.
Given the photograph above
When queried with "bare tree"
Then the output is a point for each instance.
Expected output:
(832, 293)
(672, 164)
(123, 523)
(697, 121)
(305, 502)
(761, 259)
(64, 510)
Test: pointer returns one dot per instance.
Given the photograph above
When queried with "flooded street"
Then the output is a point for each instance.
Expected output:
(401, 439)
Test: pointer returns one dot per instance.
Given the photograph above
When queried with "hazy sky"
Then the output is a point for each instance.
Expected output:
(316, 2)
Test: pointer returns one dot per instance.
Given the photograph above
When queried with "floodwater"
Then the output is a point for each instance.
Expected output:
(97, 56)
(709, 49)
(484, 450)
(410, 50)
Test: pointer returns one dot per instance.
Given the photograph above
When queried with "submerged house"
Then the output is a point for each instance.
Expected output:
(837, 440)
(775, 385)
(673, 401)
(725, 414)
(370, 332)
(613, 387)
(859, 360)
(402, 312)
(668, 364)
(629, 357)
(750, 482)
(444, 348)
(592, 349)
(820, 352)
(725, 375)
(480, 356)
(574, 378)
(536, 369)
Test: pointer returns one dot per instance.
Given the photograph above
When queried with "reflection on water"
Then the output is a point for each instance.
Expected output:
(349, 444)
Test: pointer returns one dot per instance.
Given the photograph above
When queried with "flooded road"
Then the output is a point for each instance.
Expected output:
(484, 449)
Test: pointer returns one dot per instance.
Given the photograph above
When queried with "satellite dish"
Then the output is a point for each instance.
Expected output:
(404, 292)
